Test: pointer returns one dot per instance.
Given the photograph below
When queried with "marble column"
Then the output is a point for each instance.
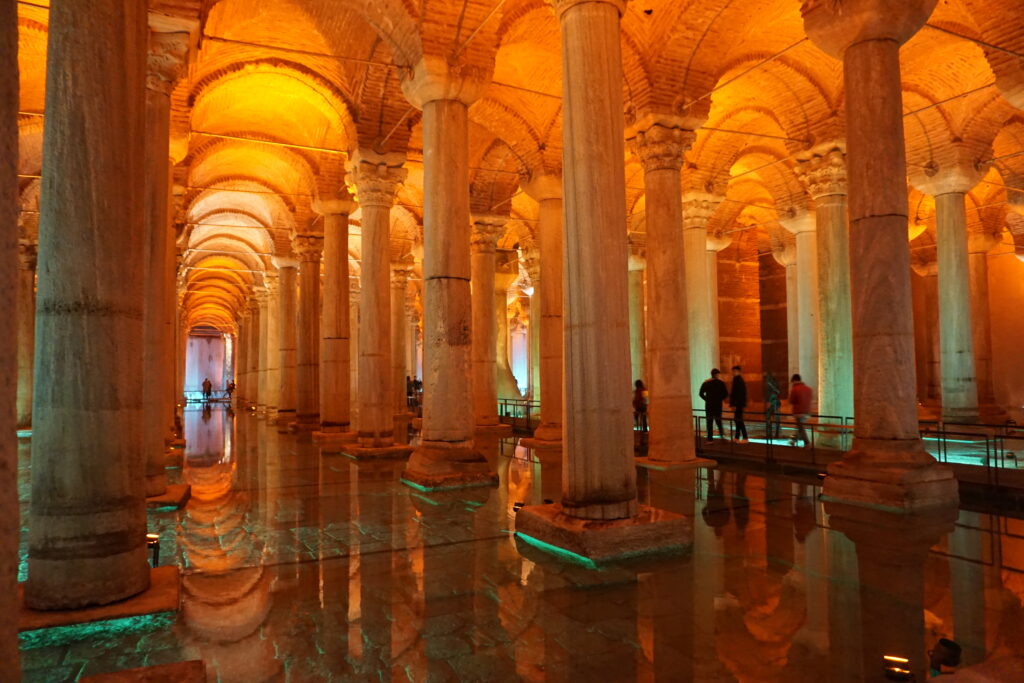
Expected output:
(637, 317)
(485, 233)
(377, 178)
(507, 386)
(307, 349)
(714, 244)
(241, 361)
(531, 261)
(701, 315)
(287, 339)
(956, 341)
(825, 177)
(599, 473)
(252, 352)
(9, 522)
(661, 146)
(802, 225)
(263, 346)
(446, 455)
(979, 244)
(412, 325)
(401, 271)
(353, 356)
(888, 464)
(87, 529)
(335, 391)
(785, 256)
(272, 370)
(26, 321)
(546, 190)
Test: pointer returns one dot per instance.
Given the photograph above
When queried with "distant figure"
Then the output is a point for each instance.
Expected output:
(207, 389)
(738, 401)
(800, 403)
(771, 406)
(944, 658)
(230, 389)
(641, 399)
(714, 393)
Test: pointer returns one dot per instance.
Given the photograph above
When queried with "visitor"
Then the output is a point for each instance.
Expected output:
(714, 393)
(771, 406)
(800, 404)
(230, 389)
(641, 399)
(207, 389)
(944, 658)
(738, 401)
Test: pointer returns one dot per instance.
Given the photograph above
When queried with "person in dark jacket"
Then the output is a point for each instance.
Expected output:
(738, 401)
(714, 393)
(771, 405)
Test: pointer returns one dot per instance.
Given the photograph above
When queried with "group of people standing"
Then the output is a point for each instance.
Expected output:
(715, 393)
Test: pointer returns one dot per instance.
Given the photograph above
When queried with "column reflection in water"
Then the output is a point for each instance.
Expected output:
(225, 585)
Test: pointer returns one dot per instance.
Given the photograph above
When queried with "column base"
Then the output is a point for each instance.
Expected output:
(156, 485)
(163, 595)
(193, 671)
(175, 496)
(328, 436)
(541, 444)
(891, 475)
(362, 453)
(494, 429)
(651, 531)
(284, 419)
(305, 423)
(663, 465)
(969, 416)
(437, 465)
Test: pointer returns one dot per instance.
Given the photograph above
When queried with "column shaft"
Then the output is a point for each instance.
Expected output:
(485, 372)
(272, 363)
(551, 341)
(376, 414)
(87, 534)
(26, 322)
(9, 522)
(287, 340)
(263, 372)
(307, 352)
(711, 289)
(252, 354)
(792, 319)
(637, 340)
(335, 394)
(956, 343)
(807, 307)
(399, 341)
(981, 317)
(835, 341)
(599, 477)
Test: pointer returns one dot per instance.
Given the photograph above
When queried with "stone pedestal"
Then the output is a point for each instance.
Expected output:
(286, 338)
(87, 528)
(446, 455)
(307, 350)
(888, 465)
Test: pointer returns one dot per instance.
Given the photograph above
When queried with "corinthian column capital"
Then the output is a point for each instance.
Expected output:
(486, 231)
(698, 208)
(166, 60)
(28, 251)
(433, 78)
(661, 146)
(824, 174)
(377, 177)
(308, 247)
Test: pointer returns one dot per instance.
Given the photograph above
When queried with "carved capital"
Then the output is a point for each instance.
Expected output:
(166, 60)
(824, 174)
(531, 262)
(377, 177)
(308, 247)
(796, 220)
(662, 147)
(698, 208)
(486, 231)
(433, 78)
(401, 271)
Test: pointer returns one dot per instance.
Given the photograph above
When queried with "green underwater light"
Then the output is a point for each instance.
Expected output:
(557, 552)
(111, 628)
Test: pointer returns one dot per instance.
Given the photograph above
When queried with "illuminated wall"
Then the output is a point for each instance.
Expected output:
(204, 357)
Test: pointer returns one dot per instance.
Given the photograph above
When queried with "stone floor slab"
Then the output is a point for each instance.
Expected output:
(175, 496)
(163, 595)
(666, 465)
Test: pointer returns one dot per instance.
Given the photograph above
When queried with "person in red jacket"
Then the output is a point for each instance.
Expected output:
(800, 403)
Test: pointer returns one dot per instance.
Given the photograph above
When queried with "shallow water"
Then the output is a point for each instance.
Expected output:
(303, 567)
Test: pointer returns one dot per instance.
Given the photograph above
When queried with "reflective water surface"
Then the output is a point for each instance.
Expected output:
(299, 566)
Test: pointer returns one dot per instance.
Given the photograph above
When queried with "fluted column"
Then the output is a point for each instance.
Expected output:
(802, 225)
(446, 455)
(825, 178)
(661, 147)
(888, 464)
(701, 309)
(401, 271)
(335, 392)
(9, 522)
(307, 348)
(546, 190)
(978, 246)
(87, 532)
(26, 322)
(485, 234)
(377, 179)
(637, 318)
(166, 58)
(287, 339)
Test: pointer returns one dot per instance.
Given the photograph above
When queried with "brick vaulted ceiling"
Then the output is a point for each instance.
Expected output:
(278, 94)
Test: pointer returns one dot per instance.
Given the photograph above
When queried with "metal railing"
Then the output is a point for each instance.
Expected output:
(522, 414)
